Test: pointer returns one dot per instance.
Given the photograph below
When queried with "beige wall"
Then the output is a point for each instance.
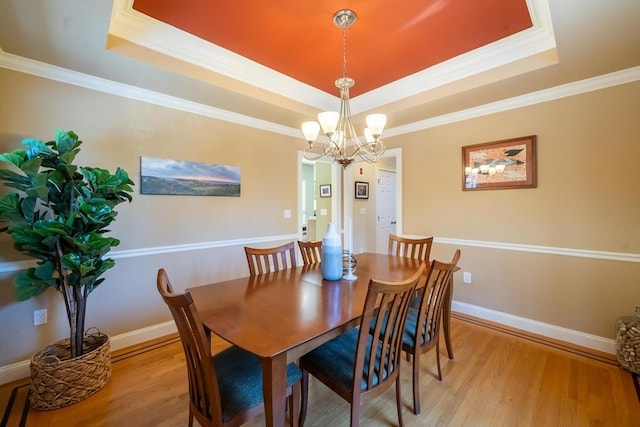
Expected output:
(364, 224)
(588, 197)
(116, 131)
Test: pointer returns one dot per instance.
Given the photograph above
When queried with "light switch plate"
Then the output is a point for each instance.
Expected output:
(40, 317)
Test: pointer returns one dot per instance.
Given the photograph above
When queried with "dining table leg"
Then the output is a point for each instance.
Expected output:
(274, 388)
(446, 318)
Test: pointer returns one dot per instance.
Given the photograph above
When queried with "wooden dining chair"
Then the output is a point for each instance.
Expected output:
(357, 366)
(225, 389)
(419, 248)
(422, 329)
(311, 252)
(267, 260)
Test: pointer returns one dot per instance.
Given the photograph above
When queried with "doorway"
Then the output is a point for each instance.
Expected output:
(317, 209)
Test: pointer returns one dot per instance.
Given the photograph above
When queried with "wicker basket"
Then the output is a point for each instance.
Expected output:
(628, 343)
(57, 380)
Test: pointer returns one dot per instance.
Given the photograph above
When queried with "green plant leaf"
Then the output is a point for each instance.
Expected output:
(35, 147)
(16, 157)
(46, 273)
(12, 176)
(28, 285)
(31, 167)
(9, 208)
(66, 141)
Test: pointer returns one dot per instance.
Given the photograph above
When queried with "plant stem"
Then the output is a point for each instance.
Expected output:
(70, 303)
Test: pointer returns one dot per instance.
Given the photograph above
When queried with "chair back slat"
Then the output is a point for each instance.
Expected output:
(311, 252)
(418, 248)
(267, 260)
(385, 313)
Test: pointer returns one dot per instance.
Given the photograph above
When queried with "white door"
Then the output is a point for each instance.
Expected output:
(385, 209)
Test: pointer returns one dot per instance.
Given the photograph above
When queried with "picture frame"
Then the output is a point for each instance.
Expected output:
(362, 190)
(505, 164)
(325, 190)
(186, 178)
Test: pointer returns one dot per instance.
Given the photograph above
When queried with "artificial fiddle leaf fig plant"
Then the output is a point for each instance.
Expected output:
(59, 215)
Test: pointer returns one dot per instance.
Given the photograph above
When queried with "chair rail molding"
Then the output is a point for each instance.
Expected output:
(12, 266)
(552, 250)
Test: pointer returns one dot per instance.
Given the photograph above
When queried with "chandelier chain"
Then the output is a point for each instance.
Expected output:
(344, 52)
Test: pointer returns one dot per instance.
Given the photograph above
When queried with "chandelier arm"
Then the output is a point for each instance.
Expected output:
(314, 153)
(372, 152)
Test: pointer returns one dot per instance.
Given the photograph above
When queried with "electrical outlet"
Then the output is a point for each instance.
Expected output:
(466, 277)
(40, 317)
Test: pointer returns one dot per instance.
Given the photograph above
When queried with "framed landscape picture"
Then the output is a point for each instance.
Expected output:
(177, 177)
(510, 163)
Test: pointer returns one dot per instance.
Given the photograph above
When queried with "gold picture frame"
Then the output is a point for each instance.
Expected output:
(509, 163)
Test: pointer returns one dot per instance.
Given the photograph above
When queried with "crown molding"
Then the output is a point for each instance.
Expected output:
(222, 64)
(52, 72)
(563, 91)
(525, 51)
(75, 78)
(522, 52)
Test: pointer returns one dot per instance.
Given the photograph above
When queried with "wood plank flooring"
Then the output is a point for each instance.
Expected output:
(496, 379)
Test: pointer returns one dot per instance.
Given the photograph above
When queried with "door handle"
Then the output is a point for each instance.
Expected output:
(394, 222)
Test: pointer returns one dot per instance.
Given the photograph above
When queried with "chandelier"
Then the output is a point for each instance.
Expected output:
(337, 126)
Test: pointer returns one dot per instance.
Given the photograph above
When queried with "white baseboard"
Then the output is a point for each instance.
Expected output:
(545, 329)
(20, 370)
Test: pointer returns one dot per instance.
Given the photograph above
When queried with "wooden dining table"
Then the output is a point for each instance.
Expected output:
(281, 316)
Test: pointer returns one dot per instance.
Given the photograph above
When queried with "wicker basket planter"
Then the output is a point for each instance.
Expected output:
(628, 343)
(57, 380)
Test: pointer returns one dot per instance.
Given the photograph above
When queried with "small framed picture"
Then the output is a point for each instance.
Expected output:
(362, 190)
(325, 190)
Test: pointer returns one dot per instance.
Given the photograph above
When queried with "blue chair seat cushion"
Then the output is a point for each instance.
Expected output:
(337, 358)
(240, 380)
(409, 337)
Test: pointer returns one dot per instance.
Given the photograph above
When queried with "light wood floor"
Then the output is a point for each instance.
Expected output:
(496, 379)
